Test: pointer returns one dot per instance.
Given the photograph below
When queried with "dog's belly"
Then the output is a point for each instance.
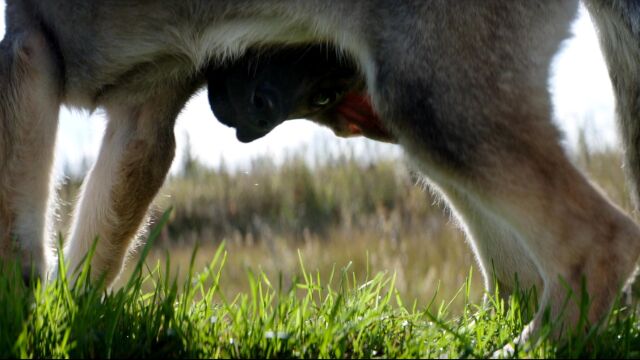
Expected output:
(125, 52)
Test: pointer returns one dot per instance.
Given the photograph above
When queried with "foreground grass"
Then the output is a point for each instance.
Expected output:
(344, 308)
(340, 210)
(309, 317)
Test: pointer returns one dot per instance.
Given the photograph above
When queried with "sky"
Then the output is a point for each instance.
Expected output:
(580, 87)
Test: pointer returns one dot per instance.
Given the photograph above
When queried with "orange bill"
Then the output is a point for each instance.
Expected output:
(357, 117)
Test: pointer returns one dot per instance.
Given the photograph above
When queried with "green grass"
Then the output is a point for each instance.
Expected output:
(342, 209)
(307, 317)
(345, 259)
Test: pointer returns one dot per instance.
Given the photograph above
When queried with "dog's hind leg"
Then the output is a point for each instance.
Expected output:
(520, 176)
(502, 259)
(135, 156)
(473, 108)
(30, 92)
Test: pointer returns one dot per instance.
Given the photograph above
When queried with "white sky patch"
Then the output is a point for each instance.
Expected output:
(580, 86)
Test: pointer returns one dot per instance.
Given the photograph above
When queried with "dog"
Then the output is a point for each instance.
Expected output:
(461, 86)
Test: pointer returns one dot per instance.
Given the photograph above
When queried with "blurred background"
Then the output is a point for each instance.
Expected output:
(302, 192)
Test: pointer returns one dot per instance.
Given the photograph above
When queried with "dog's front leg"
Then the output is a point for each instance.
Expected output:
(30, 91)
(135, 156)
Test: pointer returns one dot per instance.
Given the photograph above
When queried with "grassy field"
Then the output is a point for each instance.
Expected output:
(342, 259)
(308, 317)
(343, 210)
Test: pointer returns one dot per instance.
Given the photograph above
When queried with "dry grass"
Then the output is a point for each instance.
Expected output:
(425, 266)
(343, 211)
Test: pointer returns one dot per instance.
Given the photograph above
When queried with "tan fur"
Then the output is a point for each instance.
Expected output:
(135, 156)
(29, 130)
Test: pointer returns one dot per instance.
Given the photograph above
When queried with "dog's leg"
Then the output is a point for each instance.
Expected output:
(568, 229)
(29, 103)
(474, 111)
(135, 156)
(502, 259)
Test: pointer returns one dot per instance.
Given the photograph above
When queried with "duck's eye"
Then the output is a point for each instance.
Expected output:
(324, 98)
